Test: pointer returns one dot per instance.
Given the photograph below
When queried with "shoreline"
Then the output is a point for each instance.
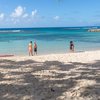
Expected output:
(44, 54)
(70, 56)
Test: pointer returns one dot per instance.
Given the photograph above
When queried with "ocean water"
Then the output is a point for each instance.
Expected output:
(49, 40)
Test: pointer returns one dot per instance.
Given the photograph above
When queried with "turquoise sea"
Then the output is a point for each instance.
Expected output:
(49, 40)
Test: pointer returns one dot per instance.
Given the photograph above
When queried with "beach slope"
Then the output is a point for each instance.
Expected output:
(71, 76)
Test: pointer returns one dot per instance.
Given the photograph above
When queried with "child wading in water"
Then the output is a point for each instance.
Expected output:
(30, 49)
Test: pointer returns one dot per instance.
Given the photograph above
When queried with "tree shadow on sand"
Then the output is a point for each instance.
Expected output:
(31, 80)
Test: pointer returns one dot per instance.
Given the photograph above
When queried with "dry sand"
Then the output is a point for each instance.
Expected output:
(71, 76)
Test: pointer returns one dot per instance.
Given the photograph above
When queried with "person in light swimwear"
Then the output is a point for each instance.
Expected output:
(30, 49)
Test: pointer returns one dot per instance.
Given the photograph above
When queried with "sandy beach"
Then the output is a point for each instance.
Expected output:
(70, 76)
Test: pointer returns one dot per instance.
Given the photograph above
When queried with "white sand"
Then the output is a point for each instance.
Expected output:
(71, 76)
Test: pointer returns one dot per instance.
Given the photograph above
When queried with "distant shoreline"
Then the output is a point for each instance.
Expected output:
(94, 30)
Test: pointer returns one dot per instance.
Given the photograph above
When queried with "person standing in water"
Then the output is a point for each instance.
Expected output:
(35, 48)
(30, 49)
(71, 46)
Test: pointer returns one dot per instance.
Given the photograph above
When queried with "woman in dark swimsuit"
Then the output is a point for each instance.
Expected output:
(71, 46)
(35, 48)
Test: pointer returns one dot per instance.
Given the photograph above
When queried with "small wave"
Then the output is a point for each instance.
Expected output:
(6, 31)
(72, 28)
(16, 30)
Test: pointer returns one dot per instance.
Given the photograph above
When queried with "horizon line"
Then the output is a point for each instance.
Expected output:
(48, 27)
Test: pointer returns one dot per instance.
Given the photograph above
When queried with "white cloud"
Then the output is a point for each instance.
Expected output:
(18, 12)
(56, 17)
(34, 12)
(16, 21)
(25, 15)
(18, 15)
(1, 15)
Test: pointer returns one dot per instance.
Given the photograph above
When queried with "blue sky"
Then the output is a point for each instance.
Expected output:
(49, 13)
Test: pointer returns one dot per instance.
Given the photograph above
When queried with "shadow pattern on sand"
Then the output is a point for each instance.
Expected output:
(26, 80)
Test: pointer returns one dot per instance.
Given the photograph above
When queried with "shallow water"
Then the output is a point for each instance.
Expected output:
(49, 40)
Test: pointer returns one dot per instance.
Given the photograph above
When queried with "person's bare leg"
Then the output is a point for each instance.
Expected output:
(32, 53)
(29, 53)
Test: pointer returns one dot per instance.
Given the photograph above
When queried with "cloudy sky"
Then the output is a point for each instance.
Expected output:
(49, 13)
